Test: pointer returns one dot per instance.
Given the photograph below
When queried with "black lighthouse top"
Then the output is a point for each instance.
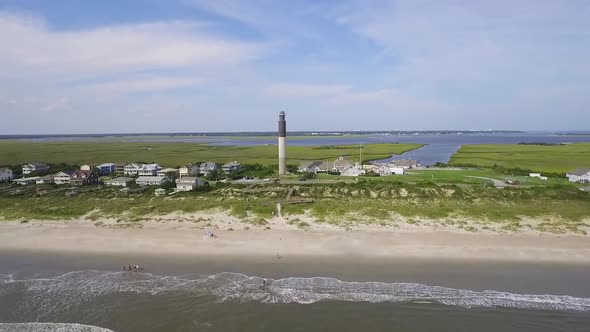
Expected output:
(282, 124)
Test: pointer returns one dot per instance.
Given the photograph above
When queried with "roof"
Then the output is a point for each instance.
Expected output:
(106, 165)
(47, 177)
(233, 163)
(580, 171)
(404, 162)
(119, 179)
(168, 170)
(4, 169)
(208, 165)
(149, 166)
(187, 179)
(150, 178)
(81, 172)
(32, 178)
(37, 164)
(69, 173)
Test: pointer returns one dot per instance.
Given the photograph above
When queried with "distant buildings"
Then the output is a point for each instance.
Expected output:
(35, 167)
(231, 167)
(166, 171)
(141, 170)
(62, 177)
(151, 180)
(6, 174)
(188, 183)
(581, 175)
(47, 179)
(189, 170)
(353, 171)
(208, 167)
(82, 178)
(106, 168)
(119, 182)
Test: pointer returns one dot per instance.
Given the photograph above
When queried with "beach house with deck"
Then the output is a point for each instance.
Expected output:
(34, 167)
(580, 175)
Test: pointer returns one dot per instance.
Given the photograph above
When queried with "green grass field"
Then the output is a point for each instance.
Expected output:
(556, 159)
(14, 152)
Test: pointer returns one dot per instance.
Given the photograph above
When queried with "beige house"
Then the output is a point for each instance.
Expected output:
(188, 183)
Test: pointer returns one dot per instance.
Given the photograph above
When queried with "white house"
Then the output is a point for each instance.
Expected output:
(188, 183)
(189, 170)
(85, 168)
(396, 170)
(581, 175)
(151, 180)
(315, 167)
(535, 175)
(45, 179)
(119, 182)
(62, 177)
(208, 167)
(383, 170)
(6, 174)
(26, 181)
(148, 170)
(352, 171)
(165, 171)
(404, 163)
(131, 169)
(231, 167)
(36, 167)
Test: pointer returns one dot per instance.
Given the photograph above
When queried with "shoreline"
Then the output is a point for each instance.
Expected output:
(173, 235)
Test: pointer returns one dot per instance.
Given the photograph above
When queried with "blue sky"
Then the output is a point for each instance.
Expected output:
(69, 66)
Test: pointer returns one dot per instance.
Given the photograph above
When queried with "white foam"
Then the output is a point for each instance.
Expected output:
(50, 327)
(63, 292)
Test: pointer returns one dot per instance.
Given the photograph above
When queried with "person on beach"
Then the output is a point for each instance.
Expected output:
(263, 284)
(130, 268)
(124, 268)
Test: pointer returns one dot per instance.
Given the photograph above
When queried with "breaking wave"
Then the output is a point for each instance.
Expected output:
(50, 327)
(71, 289)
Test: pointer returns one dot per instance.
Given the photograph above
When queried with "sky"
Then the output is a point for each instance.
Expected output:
(123, 66)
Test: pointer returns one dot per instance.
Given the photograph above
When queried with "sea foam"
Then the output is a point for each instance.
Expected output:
(71, 289)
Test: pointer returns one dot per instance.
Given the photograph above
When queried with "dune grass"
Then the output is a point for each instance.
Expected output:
(542, 158)
(15, 152)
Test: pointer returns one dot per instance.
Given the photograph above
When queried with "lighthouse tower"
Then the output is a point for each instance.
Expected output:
(282, 144)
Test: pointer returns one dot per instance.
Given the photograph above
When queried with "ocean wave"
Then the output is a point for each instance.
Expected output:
(73, 288)
(50, 327)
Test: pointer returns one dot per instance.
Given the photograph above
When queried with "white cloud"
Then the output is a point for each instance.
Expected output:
(147, 84)
(30, 45)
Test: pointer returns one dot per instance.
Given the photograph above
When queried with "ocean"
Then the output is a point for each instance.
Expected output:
(300, 294)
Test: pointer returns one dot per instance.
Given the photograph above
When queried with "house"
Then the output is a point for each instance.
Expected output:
(62, 177)
(148, 170)
(26, 181)
(188, 183)
(82, 178)
(208, 167)
(120, 168)
(86, 168)
(151, 180)
(383, 170)
(36, 167)
(370, 168)
(315, 167)
(6, 174)
(341, 164)
(119, 182)
(394, 169)
(231, 167)
(535, 175)
(106, 168)
(165, 171)
(131, 169)
(404, 163)
(189, 170)
(581, 175)
(352, 171)
(45, 179)
(160, 191)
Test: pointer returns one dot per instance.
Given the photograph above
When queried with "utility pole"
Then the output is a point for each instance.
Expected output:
(361, 155)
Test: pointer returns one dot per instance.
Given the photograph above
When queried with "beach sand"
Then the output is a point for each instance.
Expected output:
(186, 235)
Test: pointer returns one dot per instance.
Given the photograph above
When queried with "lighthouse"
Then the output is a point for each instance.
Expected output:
(282, 144)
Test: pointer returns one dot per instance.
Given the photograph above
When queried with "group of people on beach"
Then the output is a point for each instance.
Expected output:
(132, 268)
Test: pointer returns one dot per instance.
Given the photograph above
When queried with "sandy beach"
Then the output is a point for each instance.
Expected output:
(181, 235)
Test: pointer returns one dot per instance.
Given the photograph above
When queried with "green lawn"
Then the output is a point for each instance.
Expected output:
(557, 158)
(15, 152)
